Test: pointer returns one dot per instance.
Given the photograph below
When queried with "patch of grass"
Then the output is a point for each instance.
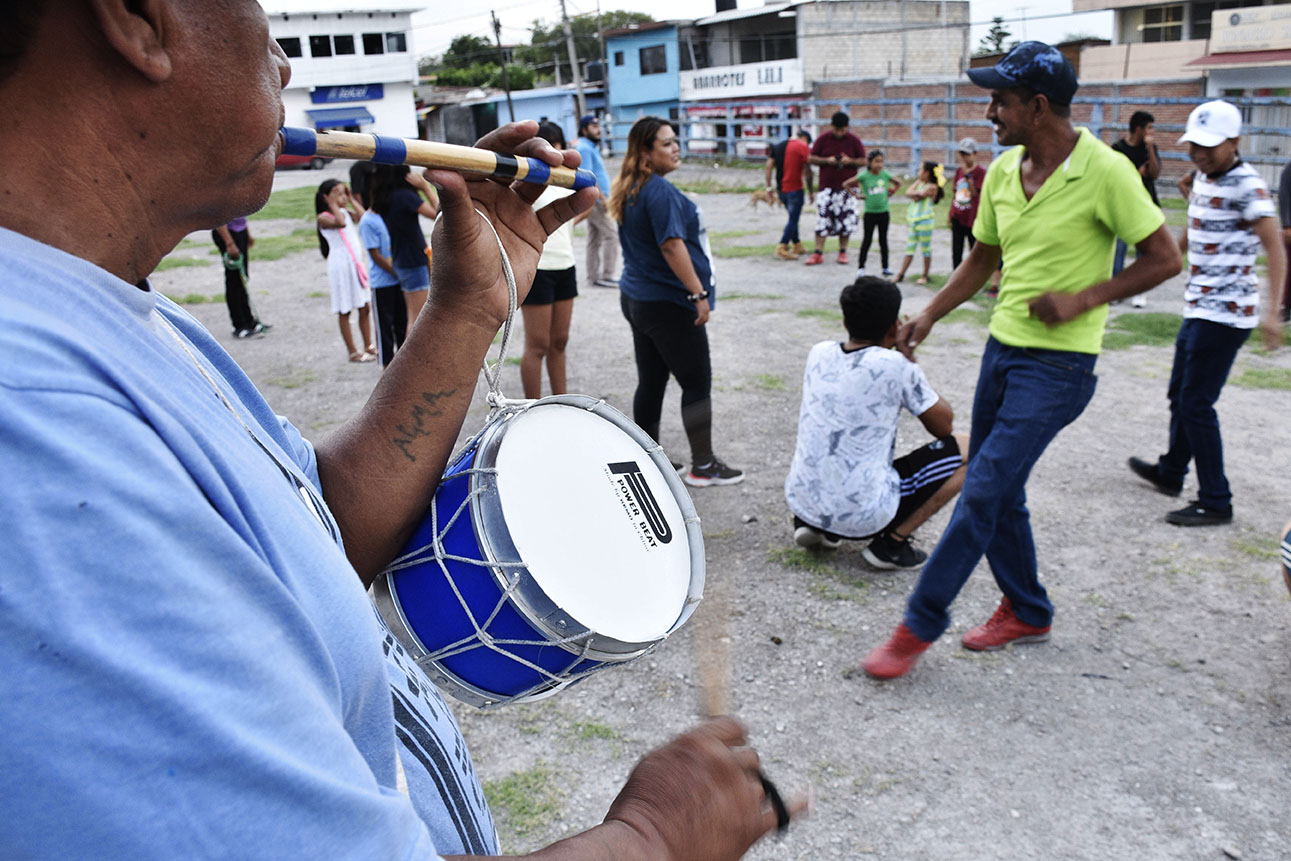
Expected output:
(969, 314)
(770, 382)
(730, 234)
(731, 297)
(195, 298)
(190, 243)
(712, 186)
(822, 313)
(1264, 378)
(278, 247)
(1149, 329)
(294, 380)
(719, 534)
(288, 203)
(179, 261)
(588, 730)
(526, 802)
(737, 251)
(1259, 546)
(803, 560)
(317, 294)
(512, 360)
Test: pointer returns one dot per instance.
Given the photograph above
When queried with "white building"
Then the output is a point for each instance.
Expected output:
(351, 64)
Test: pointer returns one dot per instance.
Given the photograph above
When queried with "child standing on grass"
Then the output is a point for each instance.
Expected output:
(876, 186)
(338, 212)
(924, 193)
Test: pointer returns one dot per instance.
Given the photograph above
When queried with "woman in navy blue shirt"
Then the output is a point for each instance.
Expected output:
(667, 292)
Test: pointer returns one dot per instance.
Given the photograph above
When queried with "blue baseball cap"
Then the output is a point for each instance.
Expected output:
(1038, 67)
(586, 121)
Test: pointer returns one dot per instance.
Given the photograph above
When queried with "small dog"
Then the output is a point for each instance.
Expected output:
(764, 196)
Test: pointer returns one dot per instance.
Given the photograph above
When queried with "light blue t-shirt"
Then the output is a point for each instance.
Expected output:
(189, 664)
(373, 232)
(592, 161)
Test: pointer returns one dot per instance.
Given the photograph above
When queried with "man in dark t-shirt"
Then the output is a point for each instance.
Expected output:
(838, 153)
(1139, 148)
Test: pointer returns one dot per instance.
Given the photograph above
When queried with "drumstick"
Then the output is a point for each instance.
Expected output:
(468, 159)
(713, 648)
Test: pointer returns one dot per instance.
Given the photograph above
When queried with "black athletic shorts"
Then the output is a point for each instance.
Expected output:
(552, 285)
(923, 471)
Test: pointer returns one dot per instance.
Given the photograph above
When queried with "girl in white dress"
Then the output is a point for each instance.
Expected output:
(338, 239)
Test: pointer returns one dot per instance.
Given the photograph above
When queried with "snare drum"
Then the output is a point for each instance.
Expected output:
(559, 543)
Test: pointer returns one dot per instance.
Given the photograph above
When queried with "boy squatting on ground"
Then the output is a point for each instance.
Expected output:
(843, 482)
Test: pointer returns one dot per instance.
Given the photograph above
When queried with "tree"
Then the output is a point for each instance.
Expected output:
(994, 41)
(547, 46)
(466, 51)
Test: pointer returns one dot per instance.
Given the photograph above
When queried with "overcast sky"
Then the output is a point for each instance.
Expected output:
(433, 29)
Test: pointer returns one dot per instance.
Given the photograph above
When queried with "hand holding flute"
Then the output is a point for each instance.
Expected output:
(442, 156)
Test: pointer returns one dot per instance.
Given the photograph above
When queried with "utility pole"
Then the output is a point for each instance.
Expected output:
(573, 61)
(502, 58)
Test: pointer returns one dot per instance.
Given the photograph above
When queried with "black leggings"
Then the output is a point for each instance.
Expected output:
(871, 221)
(958, 233)
(235, 288)
(667, 342)
(392, 320)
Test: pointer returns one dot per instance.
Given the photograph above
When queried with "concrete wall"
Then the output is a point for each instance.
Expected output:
(1141, 60)
(395, 114)
(852, 40)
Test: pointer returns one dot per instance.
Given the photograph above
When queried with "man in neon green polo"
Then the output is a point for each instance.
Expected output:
(1053, 206)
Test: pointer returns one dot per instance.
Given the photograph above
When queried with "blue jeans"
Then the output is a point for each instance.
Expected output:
(1024, 397)
(1118, 262)
(792, 201)
(1203, 356)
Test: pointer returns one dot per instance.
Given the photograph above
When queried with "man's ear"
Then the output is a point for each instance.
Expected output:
(136, 30)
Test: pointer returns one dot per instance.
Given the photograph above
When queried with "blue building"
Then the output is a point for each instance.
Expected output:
(557, 105)
(643, 74)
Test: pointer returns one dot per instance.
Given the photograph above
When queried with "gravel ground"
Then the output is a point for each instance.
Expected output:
(1152, 726)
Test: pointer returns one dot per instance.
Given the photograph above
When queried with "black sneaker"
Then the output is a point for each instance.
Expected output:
(1152, 475)
(713, 473)
(1196, 514)
(890, 554)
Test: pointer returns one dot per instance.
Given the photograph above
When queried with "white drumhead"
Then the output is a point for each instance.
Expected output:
(595, 522)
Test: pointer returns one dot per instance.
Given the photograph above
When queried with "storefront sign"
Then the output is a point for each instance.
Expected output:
(777, 77)
(347, 93)
(1259, 28)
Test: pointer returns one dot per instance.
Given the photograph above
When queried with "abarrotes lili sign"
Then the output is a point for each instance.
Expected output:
(773, 78)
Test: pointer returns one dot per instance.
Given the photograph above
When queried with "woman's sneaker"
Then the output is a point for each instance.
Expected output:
(890, 554)
(713, 473)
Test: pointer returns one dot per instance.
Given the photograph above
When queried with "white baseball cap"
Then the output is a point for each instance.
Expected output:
(1213, 123)
(967, 145)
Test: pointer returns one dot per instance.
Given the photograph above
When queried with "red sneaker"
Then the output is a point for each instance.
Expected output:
(896, 657)
(1001, 629)
(815, 258)
(842, 257)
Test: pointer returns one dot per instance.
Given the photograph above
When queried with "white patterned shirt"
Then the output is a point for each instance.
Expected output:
(842, 479)
(1222, 245)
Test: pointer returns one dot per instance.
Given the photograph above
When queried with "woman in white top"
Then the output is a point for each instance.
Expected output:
(549, 307)
(338, 239)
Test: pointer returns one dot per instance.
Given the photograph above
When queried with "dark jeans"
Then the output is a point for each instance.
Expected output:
(1118, 262)
(958, 234)
(666, 342)
(1203, 356)
(873, 220)
(1024, 397)
(235, 285)
(792, 201)
(392, 320)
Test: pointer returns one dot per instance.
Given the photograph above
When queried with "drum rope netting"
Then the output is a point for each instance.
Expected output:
(501, 408)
